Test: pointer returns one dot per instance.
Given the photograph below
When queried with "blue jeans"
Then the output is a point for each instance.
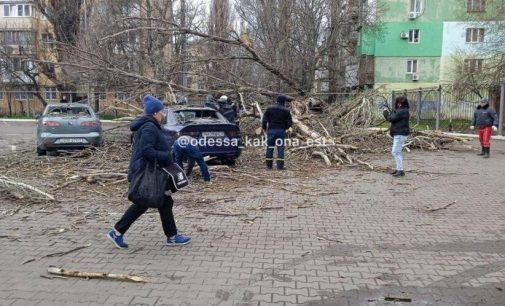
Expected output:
(398, 142)
(193, 154)
(275, 138)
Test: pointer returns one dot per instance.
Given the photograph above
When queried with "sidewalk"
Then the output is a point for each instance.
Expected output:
(328, 237)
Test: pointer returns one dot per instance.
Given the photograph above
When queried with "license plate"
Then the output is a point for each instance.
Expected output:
(70, 141)
(212, 134)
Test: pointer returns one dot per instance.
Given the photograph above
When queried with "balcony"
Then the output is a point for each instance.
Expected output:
(17, 50)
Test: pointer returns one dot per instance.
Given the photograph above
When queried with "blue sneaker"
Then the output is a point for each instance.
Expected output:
(117, 240)
(178, 240)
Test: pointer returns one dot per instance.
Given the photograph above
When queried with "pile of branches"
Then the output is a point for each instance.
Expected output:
(342, 133)
(99, 171)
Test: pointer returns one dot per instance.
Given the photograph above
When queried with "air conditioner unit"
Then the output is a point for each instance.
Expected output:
(404, 35)
(412, 15)
(415, 77)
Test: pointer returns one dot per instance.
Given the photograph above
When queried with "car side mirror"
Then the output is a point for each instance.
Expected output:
(37, 116)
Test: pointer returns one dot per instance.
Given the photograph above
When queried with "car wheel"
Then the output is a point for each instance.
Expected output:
(52, 153)
(41, 152)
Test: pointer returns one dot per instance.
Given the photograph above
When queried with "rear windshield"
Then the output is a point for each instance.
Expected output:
(61, 111)
(189, 115)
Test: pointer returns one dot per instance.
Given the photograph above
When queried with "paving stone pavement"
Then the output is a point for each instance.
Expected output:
(355, 237)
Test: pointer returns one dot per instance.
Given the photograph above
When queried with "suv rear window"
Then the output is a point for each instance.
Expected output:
(60, 111)
(188, 115)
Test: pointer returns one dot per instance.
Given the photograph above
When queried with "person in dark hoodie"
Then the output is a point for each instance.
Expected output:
(400, 131)
(486, 120)
(149, 145)
(276, 120)
(186, 147)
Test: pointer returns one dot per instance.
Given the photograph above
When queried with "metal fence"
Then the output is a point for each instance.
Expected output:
(443, 108)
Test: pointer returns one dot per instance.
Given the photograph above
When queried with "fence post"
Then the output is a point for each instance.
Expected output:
(418, 108)
(437, 122)
(392, 99)
(502, 105)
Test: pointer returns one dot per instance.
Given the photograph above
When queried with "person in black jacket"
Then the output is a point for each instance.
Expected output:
(276, 120)
(486, 120)
(400, 131)
(149, 145)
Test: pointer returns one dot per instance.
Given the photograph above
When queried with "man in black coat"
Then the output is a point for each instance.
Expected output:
(149, 145)
(276, 120)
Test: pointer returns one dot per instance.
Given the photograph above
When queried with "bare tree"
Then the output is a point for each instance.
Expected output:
(277, 46)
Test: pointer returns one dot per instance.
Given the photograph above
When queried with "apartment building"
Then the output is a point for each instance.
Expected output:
(421, 41)
(26, 38)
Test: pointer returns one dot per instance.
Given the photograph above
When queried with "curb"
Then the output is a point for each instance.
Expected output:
(496, 137)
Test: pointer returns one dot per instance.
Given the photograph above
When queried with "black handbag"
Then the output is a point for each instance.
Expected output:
(149, 186)
(177, 178)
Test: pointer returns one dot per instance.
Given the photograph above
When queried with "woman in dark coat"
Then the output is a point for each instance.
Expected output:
(149, 145)
(400, 131)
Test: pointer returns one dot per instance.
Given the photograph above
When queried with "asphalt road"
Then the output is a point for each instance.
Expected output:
(12, 133)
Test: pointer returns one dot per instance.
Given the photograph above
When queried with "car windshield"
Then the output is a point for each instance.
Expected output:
(183, 116)
(62, 111)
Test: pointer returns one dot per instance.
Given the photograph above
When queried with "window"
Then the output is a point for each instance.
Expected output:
(415, 6)
(474, 35)
(51, 93)
(23, 95)
(1, 95)
(476, 6)
(130, 9)
(17, 64)
(122, 96)
(47, 38)
(48, 69)
(411, 66)
(414, 36)
(473, 65)
(24, 38)
(101, 96)
(18, 10)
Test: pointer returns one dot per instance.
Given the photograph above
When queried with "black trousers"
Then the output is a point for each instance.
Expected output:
(136, 210)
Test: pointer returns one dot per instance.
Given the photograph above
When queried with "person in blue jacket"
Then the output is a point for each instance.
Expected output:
(149, 145)
(186, 147)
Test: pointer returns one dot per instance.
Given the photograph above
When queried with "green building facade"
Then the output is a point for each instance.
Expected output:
(419, 39)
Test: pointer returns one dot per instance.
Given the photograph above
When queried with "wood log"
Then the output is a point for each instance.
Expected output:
(332, 145)
(242, 102)
(323, 156)
(97, 275)
(12, 186)
(307, 131)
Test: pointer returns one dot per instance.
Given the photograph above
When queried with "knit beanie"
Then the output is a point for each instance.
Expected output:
(281, 100)
(152, 105)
